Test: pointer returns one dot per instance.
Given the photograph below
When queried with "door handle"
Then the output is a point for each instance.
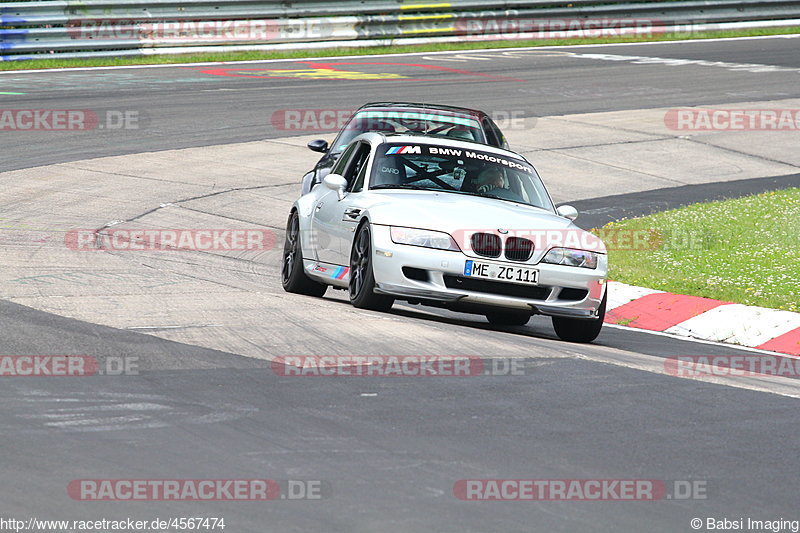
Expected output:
(319, 206)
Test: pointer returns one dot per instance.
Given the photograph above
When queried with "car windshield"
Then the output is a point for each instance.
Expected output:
(430, 123)
(460, 171)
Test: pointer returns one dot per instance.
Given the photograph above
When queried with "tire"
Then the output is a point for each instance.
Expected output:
(362, 277)
(293, 277)
(580, 330)
(508, 318)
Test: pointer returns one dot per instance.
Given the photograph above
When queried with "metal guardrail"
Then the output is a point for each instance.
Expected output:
(47, 29)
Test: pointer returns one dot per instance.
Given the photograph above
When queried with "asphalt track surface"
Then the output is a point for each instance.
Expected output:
(389, 451)
(181, 107)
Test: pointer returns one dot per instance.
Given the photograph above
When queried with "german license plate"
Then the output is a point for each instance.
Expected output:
(496, 272)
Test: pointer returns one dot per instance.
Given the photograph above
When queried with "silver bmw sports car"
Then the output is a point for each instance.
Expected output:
(447, 223)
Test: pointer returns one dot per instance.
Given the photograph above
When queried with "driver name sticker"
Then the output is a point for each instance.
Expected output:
(338, 272)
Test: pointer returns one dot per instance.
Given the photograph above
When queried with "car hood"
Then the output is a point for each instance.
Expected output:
(461, 215)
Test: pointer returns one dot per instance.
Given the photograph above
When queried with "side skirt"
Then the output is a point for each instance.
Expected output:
(335, 275)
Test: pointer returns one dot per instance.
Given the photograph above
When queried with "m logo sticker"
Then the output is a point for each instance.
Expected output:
(397, 150)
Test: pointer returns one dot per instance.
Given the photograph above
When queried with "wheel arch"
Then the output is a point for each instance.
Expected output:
(304, 224)
(363, 220)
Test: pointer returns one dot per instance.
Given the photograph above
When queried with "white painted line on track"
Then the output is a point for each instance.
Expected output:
(407, 54)
(740, 324)
(701, 341)
(779, 385)
(620, 294)
(676, 62)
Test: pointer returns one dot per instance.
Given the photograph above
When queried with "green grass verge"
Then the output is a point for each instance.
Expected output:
(438, 47)
(745, 250)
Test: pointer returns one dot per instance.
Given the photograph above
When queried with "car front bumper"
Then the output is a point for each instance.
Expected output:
(430, 276)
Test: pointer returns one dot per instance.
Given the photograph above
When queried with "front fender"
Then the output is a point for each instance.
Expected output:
(307, 183)
(304, 206)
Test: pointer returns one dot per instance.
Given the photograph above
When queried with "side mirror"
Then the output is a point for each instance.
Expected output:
(337, 183)
(567, 211)
(320, 145)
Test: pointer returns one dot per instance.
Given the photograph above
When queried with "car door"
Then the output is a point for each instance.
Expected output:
(353, 204)
(333, 220)
(323, 218)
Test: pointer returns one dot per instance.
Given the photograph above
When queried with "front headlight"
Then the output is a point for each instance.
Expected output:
(425, 238)
(571, 257)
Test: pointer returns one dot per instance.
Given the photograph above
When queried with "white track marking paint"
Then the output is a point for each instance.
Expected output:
(739, 324)
(621, 294)
(659, 365)
(695, 340)
(645, 60)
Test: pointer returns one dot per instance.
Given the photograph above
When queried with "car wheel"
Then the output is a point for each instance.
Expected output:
(508, 318)
(362, 277)
(293, 278)
(580, 330)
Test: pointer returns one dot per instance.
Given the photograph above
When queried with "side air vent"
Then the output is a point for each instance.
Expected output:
(416, 274)
(573, 294)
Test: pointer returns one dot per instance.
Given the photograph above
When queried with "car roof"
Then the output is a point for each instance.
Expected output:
(406, 106)
(436, 140)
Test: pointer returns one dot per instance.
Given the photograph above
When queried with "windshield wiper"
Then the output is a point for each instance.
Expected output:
(401, 186)
(496, 197)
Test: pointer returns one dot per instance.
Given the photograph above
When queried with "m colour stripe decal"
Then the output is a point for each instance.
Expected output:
(404, 150)
(340, 273)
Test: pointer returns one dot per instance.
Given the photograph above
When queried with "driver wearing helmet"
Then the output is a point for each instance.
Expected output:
(490, 179)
